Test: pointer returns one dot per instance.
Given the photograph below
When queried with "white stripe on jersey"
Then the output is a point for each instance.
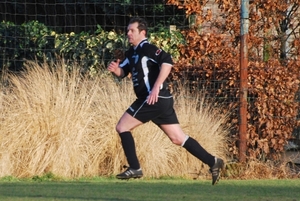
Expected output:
(146, 72)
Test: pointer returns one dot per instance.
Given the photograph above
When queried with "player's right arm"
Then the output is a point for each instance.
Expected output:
(114, 67)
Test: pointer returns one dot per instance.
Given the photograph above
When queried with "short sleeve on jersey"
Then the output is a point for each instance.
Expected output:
(158, 55)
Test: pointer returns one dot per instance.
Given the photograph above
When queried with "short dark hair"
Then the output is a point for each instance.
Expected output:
(142, 24)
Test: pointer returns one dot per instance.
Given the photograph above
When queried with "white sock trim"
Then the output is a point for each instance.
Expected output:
(185, 139)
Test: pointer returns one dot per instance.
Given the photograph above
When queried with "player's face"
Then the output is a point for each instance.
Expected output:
(134, 35)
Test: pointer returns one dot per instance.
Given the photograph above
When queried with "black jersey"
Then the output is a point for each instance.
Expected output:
(144, 62)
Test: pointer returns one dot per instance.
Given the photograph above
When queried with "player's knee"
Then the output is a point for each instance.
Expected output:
(176, 141)
(120, 128)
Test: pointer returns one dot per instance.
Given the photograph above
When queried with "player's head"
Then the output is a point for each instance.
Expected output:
(142, 24)
(137, 30)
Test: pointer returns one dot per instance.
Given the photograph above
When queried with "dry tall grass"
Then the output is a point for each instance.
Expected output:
(60, 122)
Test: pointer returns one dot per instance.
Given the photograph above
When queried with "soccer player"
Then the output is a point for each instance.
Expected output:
(149, 67)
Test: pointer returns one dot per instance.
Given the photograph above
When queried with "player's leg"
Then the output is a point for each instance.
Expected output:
(169, 123)
(177, 136)
(138, 113)
(124, 127)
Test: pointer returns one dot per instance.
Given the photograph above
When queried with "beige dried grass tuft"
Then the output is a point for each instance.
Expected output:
(255, 169)
(56, 120)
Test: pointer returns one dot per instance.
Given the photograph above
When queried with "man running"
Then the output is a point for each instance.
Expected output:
(149, 67)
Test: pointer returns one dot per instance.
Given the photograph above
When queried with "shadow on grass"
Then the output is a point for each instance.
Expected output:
(152, 190)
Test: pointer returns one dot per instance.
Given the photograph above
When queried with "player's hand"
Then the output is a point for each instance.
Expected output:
(153, 96)
(113, 66)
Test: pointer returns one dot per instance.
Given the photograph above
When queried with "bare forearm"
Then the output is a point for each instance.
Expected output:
(115, 68)
(164, 73)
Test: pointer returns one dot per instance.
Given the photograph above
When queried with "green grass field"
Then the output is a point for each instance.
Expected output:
(151, 190)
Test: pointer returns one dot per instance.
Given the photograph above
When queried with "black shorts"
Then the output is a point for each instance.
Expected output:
(162, 112)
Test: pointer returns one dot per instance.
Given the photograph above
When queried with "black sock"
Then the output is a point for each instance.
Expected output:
(129, 149)
(192, 146)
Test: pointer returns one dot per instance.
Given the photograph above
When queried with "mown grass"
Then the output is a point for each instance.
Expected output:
(104, 189)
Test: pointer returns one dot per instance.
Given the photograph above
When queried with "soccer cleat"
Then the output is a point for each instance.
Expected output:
(216, 169)
(130, 173)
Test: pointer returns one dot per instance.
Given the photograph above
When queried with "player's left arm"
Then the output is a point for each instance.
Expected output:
(162, 76)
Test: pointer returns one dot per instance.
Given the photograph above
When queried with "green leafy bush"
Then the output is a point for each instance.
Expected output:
(92, 51)
(168, 41)
(9, 40)
(30, 40)
(33, 40)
